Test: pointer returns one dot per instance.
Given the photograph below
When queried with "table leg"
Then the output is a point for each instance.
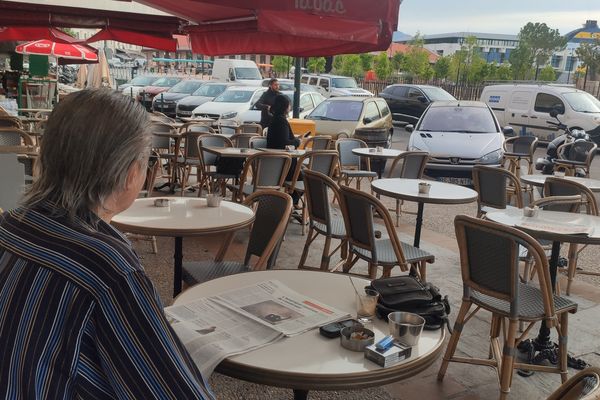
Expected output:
(300, 394)
(178, 273)
(418, 224)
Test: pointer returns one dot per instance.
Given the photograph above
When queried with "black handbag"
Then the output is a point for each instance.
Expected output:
(408, 293)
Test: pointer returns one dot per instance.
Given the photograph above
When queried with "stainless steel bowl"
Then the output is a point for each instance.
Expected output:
(350, 343)
(405, 327)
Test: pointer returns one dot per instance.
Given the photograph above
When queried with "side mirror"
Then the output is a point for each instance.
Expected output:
(231, 75)
(409, 128)
(423, 99)
(367, 120)
(301, 109)
(554, 113)
(508, 131)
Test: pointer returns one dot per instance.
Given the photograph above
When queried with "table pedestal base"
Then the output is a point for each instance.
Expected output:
(538, 351)
(300, 394)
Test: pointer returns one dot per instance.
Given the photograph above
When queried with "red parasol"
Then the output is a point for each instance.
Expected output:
(22, 33)
(59, 50)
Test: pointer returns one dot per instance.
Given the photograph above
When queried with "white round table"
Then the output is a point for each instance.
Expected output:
(539, 180)
(408, 189)
(384, 154)
(310, 361)
(184, 217)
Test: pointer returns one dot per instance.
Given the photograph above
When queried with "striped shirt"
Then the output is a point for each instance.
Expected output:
(79, 318)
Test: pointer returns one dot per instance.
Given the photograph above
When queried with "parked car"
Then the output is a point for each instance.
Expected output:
(166, 102)
(407, 102)
(205, 93)
(458, 135)
(230, 103)
(288, 84)
(345, 114)
(163, 84)
(308, 101)
(335, 85)
(139, 81)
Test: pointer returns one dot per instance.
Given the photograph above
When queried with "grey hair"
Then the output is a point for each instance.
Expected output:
(91, 139)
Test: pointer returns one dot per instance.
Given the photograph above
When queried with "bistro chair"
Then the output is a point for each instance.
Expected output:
(12, 176)
(585, 385)
(574, 157)
(227, 127)
(410, 165)
(258, 142)
(14, 137)
(196, 127)
(250, 128)
(322, 220)
(388, 251)
(151, 173)
(323, 161)
(491, 185)
(261, 171)
(209, 175)
(10, 122)
(157, 116)
(319, 142)
(272, 211)
(190, 158)
(242, 140)
(164, 145)
(516, 150)
(350, 163)
(489, 260)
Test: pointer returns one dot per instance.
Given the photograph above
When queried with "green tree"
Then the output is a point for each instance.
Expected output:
(442, 67)
(366, 61)
(383, 67)
(282, 64)
(316, 64)
(548, 74)
(416, 60)
(397, 61)
(589, 54)
(503, 72)
(539, 42)
(521, 63)
(348, 65)
(467, 64)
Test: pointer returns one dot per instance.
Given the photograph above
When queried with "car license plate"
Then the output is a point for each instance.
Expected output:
(456, 180)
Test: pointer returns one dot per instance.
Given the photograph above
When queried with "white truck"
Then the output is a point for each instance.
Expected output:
(242, 72)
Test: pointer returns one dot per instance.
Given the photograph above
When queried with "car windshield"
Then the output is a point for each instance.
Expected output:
(247, 73)
(582, 102)
(437, 94)
(210, 90)
(458, 119)
(165, 82)
(337, 111)
(234, 96)
(142, 80)
(344, 83)
(186, 87)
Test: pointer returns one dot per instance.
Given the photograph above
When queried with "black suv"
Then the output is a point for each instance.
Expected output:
(407, 102)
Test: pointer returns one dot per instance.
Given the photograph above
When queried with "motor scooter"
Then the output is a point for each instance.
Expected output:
(546, 164)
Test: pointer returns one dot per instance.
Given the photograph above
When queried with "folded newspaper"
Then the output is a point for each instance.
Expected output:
(244, 319)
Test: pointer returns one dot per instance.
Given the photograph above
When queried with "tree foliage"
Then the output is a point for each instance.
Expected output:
(537, 43)
(366, 61)
(282, 64)
(348, 65)
(547, 74)
(397, 61)
(416, 60)
(589, 54)
(383, 67)
(316, 65)
(442, 67)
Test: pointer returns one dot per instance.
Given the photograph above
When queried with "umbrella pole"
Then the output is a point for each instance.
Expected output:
(297, 72)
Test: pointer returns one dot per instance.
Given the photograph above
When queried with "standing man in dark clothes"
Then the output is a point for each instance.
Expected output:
(266, 101)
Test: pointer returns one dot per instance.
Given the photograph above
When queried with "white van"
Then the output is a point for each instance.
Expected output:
(527, 109)
(243, 72)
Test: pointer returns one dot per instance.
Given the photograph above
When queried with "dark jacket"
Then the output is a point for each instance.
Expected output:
(280, 133)
(264, 103)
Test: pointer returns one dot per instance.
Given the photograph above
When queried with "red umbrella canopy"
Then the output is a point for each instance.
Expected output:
(26, 32)
(60, 50)
(290, 27)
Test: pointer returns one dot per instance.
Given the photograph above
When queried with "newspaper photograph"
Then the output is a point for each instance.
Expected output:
(212, 332)
(275, 305)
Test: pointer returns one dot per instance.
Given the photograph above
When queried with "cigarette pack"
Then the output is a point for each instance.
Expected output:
(388, 357)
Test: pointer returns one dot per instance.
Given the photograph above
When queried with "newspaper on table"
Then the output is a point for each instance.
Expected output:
(244, 319)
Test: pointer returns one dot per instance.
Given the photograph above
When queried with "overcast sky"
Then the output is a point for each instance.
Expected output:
(504, 16)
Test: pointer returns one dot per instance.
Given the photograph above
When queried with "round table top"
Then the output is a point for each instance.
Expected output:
(384, 153)
(552, 225)
(182, 217)
(310, 361)
(439, 193)
(539, 179)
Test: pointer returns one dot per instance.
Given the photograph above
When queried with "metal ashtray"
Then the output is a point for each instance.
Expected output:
(356, 338)
(161, 203)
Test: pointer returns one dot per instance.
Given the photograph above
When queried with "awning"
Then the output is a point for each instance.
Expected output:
(27, 33)
(155, 41)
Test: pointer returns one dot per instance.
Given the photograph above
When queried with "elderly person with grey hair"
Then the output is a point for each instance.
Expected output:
(79, 318)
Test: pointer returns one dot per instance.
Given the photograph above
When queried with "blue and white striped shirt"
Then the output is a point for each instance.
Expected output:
(79, 318)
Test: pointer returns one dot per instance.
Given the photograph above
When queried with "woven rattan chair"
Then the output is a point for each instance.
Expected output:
(585, 385)
(12, 176)
(516, 150)
(14, 137)
(323, 161)
(489, 259)
(563, 187)
(250, 128)
(410, 165)
(388, 251)
(319, 142)
(190, 158)
(164, 145)
(491, 185)
(10, 122)
(196, 127)
(350, 163)
(242, 140)
(575, 156)
(227, 127)
(258, 142)
(272, 212)
(322, 220)
(209, 176)
(261, 171)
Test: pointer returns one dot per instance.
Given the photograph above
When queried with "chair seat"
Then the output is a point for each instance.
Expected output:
(189, 161)
(359, 173)
(573, 163)
(299, 187)
(386, 254)
(220, 175)
(530, 300)
(198, 272)
(338, 230)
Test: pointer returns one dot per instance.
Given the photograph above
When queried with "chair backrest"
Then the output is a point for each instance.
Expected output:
(258, 142)
(555, 186)
(10, 122)
(523, 146)
(228, 128)
(207, 158)
(491, 183)
(197, 127)
(581, 151)
(316, 187)
(160, 117)
(347, 157)
(319, 142)
(250, 128)
(323, 161)
(190, 144)
(268, 170)
(585, 385)
(12, 176)
(242, 140)
(272, 210)
(412, 167)
(14, 137)
(160, 130)
(358, 208)
(489, 259)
